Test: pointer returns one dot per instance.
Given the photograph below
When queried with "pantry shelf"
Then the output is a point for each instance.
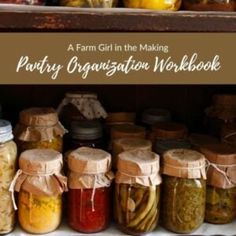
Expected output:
(205, 229)
(35, 18)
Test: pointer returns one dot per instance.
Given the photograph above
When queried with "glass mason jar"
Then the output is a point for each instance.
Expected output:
(8, 155)
(40, 186)
(137, 192)
(172, 5)
(86, 134)
(221, 183)
(89, 3)
(127, 144)
(39, 128)
(183, 190)
(89, 189)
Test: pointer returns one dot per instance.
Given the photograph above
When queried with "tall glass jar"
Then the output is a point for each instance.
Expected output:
(184, 190)
(8, 154)
(89, 189)
(39, 128)
(221, 184)
(137, 192)
(40, 185)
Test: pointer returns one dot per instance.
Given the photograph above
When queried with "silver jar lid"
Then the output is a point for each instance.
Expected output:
(86, 130)
(154, 115)
(5, 131)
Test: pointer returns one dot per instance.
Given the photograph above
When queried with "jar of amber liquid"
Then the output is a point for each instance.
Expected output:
(8, 155)
(221, 184)
(89, 189)
(137, 192)
(40, 186)
(184, 190)
(39, 128)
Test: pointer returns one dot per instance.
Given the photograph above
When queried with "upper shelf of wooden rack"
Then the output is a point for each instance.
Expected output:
(34, 18)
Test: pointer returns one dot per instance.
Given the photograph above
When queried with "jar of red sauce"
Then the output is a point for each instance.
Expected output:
(89, 189)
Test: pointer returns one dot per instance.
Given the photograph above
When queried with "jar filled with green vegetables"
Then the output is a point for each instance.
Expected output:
(137, 192)
(183, 190)
(221, 184)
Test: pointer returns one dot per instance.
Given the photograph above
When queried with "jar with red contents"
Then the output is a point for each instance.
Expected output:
(89, 189)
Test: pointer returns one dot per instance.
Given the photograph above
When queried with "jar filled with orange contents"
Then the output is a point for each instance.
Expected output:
(40, 185)
(39, 128)
(89, 189)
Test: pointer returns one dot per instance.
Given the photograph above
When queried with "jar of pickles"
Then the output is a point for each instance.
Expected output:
(137, 192)
(221, 183)
(127, 144)
(184, 190)
(8, 154)
(40, 185)
(89, 189)
(39, 128)
(80, 105)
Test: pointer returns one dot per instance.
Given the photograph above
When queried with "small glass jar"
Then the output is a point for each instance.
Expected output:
(86, 134)
(184, 190)
(127, 144)
(40, 186)
(172, 5)
(39, 128)
(209, 5)
(137, 192)
(8, 155)
(221, 185)
(89, 189)
(89, 3)
(78, 105)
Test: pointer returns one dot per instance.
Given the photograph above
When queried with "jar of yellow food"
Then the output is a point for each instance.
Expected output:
(40, 186)
(89, 3)
(137, 192)
(8, 155)
(184, 190)
(39, 128)
(172, 5)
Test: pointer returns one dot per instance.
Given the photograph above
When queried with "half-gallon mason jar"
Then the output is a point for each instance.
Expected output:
(221, 183)
(184, 190)
(137, 192)
(89, 189)
(40, 185)
(39, 128)
(8, 154)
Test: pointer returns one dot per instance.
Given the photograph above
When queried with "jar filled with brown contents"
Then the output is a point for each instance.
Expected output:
(39, 128)
(127, 144)
(137, 192)
(183, 190)
(209, 5)
(78, 106)
(89, 3)
(169, 135)
(40, 185)
(221, 183)
(222, 111)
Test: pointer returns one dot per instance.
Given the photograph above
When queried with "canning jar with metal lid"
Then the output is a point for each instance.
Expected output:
(221, 183)
(183, 190)
(137, 192)
(39, 128)
(40, 185)
(89, 189)
(8, 159)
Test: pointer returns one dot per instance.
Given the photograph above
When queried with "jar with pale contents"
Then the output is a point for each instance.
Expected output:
(8, 155)
(89, 189)
(39, 128)
(40, 185)
(137, 192)
(183, 190)
(221, 183)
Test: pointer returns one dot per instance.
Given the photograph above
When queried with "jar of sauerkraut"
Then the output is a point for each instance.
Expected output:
(39, 128)
(40, 185)
(8, 156)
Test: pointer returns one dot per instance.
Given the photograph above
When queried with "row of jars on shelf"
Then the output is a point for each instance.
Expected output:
(172, 5)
